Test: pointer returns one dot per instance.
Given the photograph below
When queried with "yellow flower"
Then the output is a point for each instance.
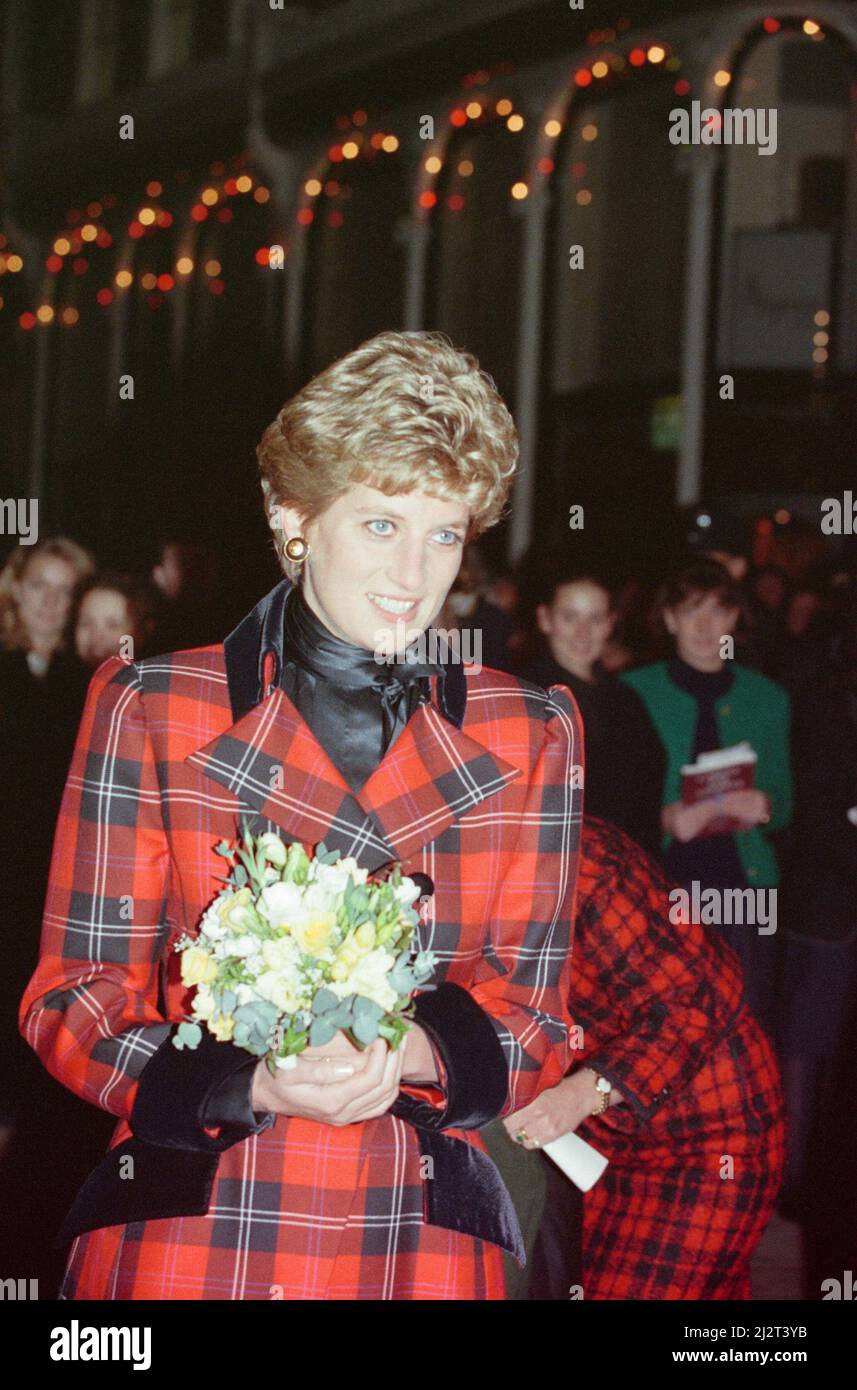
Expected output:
(235, 901)
(314, 935)
(198, 967)
(349, 953)
(222, 1026)
(365, 935)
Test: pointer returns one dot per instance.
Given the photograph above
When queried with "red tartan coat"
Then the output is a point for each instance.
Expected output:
(664, 1018)
(481, 796)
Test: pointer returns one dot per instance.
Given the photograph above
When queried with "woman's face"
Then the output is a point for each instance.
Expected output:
(577, 625)
(379, 567)
(699, 625)
(43, 595)
(103, 620)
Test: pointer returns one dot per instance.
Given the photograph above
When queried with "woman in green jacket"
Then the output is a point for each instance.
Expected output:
(700, 700)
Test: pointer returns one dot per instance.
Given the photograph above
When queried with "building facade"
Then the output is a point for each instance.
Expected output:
(644, 225)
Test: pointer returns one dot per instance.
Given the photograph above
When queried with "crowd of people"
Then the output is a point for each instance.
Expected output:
(718, 656)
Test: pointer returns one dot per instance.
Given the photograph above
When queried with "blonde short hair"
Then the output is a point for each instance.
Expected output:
(402, 412)
(12, 632)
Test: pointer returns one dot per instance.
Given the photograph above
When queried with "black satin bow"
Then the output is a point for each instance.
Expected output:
(354, 704)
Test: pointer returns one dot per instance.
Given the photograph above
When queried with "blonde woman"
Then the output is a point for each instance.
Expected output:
(357, 1174)
(42, 689)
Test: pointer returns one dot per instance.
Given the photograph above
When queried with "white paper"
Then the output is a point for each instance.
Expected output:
(737, 755)
(577, 1159)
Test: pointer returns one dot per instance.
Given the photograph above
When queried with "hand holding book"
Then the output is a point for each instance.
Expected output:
(718, 796)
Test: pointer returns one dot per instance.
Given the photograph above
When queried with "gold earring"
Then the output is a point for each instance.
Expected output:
(296, 549)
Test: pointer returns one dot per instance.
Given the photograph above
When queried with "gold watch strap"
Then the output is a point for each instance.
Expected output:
(604, 1096)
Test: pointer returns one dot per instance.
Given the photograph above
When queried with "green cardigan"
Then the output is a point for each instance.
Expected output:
(755, 709)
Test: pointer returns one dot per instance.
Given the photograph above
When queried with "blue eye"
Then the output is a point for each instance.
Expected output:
(455, 539)
(380, 521)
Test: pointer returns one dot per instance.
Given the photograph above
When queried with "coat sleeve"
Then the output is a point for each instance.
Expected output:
(522, 979)
(653, 995)
(92, 1008)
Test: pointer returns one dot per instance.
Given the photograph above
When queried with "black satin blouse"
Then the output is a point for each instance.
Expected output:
(355, 705)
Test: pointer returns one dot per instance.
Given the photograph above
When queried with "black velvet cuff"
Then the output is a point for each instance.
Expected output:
(179, 1094)
(141, 1182)
(477, 1076)
(231, 1103)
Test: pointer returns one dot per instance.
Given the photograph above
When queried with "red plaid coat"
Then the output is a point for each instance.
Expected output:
(482, 798)
(664, 1018)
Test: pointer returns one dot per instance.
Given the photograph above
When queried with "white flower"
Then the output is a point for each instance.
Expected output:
(282, 954)
(203, 1002)
(240, 946)
(243, 945)
(255, 964)
(369, 978)
(212, 926)
(274, 849)
(281, 988)
(407, 892)
(282, 904)
(335, 876)
(244, 994)
(321, 899)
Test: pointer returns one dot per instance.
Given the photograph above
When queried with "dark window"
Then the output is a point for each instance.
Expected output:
(210, 27)
(50, 37)
(132, 61)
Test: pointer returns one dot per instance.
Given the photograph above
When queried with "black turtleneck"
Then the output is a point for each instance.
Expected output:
(356, 706)
(712, 860)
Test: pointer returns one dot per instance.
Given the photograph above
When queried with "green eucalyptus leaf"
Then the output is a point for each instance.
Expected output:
(321, 1032)
(365, 1028)
(190, 1034)
(367, 1008)
(324, 1001)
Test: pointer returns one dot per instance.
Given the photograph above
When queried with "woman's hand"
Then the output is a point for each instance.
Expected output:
(558, 1111)
(336, 1084)
(686, 822)
(552, 1114)
(750, 806)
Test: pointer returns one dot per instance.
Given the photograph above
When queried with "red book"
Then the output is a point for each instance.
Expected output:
(714, 774)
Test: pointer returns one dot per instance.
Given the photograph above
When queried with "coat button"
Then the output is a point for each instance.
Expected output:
(424, 883)
(725, 709)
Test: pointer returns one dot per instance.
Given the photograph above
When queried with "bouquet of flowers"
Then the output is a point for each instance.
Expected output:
(295, 948)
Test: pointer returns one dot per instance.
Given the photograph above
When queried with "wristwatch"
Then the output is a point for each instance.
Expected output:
(605, 1091)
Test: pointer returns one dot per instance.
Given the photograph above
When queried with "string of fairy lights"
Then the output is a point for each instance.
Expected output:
(74, 257)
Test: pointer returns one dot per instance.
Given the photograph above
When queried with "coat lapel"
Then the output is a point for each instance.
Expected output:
(271, 761)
